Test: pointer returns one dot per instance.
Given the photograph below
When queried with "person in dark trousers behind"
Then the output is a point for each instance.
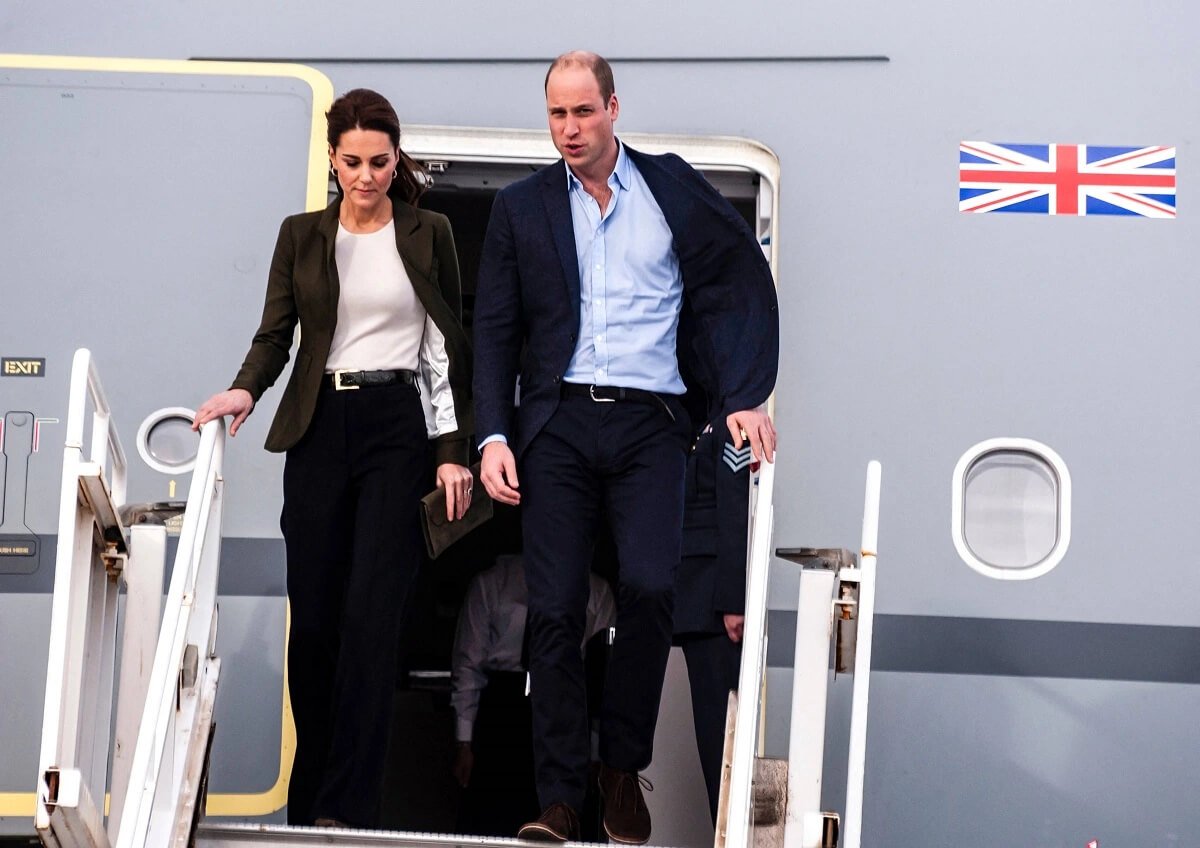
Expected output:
(493, 756)
(599, 274)
(710, 589)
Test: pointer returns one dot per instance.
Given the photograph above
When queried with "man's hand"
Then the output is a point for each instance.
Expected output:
(464, 763)
(753, 425)
(734, 624)
(457, 481)
(235, 402)
(498, 471)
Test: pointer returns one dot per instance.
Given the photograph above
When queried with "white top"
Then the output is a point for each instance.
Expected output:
(382, 325)
(380, 321)
(491, 632)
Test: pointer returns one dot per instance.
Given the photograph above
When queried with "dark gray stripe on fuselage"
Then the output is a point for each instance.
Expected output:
(1017, 648)
(248, 567)
(905, 643)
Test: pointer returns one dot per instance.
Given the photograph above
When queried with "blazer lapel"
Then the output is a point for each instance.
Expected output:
(328, 228)
(558, 212)
(663, 185)
(414, 243)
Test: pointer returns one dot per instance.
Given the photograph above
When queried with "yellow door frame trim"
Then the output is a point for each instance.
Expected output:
(322, 95)
(23, 804)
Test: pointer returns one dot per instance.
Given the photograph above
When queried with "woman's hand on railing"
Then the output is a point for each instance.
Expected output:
(235, 402)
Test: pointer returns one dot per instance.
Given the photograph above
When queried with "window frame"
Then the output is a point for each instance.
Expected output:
(1063, 506)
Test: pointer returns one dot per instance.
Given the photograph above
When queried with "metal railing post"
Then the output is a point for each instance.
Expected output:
(857, 757)
(172, 739)
(92, 545)
(143, 609)
(738, 811)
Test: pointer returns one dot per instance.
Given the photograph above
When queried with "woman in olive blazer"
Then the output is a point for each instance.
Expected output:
(303, 287)
(381, 382)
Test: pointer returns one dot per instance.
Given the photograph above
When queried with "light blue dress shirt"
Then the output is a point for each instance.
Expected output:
(630, 288)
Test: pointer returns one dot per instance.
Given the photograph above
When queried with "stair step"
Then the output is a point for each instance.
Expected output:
(212, 835)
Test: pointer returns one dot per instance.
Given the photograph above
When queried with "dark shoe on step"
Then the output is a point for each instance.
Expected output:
(558, 823)
(626, 818)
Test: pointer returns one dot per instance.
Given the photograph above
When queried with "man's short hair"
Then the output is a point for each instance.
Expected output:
(594, 62)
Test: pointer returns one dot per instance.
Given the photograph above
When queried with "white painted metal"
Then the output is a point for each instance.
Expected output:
(279, 836)
(754, 661)
(143, 607)
(958, 488)
(810, 684)
(75, 821)
(101, 421)
(77, 714)
(99, 668)
(177, 718)
(857, 756)
(195, 759)
(477, 144)
(143, 439)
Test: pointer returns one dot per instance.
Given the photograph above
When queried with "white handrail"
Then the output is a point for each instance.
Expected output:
(857, 757)
(86, 386)
(79, 669)
(159, 779)
(754, 660)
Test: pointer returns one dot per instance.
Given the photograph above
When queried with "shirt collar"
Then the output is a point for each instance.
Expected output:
(620, 171)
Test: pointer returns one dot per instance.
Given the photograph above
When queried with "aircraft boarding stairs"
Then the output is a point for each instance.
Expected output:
(139, 781)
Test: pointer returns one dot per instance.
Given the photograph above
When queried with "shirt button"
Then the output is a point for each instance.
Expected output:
(556, 378)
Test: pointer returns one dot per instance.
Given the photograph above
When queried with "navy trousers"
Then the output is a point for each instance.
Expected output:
(350, 525)
(622, 463)
(501, 796)
(713, 664)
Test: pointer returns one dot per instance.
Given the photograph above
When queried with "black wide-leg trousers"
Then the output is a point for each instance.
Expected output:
(622, 462)
(350, 524)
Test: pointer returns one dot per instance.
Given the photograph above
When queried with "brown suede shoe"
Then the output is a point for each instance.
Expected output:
(626, 818)
(558, 823)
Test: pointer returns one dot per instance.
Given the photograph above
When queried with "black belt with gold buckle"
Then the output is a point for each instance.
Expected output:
(343, 380)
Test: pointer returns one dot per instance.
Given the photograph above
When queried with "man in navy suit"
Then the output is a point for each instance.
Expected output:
(604, 279)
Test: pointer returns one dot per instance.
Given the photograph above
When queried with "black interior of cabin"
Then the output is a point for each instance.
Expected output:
(421, 793)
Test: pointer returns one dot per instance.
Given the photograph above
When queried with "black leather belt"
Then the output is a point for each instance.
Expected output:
(342, 380)
(612, 394)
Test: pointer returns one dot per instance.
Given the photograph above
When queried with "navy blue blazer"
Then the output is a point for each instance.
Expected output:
(527, 299)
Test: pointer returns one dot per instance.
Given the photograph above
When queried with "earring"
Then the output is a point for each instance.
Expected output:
(395, 174)
(332, 171)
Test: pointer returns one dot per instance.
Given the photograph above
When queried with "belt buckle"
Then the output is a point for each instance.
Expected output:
(592, 392)
(337, 381)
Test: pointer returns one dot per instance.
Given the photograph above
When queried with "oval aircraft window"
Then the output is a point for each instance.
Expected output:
(166, 442)
(1011, 508)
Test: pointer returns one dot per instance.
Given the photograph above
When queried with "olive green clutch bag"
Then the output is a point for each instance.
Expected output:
(441, 533)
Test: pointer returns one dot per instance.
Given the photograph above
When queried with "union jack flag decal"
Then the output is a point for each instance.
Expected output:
(1066, 179)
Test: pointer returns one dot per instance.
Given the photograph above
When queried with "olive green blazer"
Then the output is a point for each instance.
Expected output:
(303, 288)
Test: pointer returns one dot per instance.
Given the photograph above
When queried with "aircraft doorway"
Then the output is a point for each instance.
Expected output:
(468, 167)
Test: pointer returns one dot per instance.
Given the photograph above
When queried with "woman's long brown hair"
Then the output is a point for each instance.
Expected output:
(364, 109)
